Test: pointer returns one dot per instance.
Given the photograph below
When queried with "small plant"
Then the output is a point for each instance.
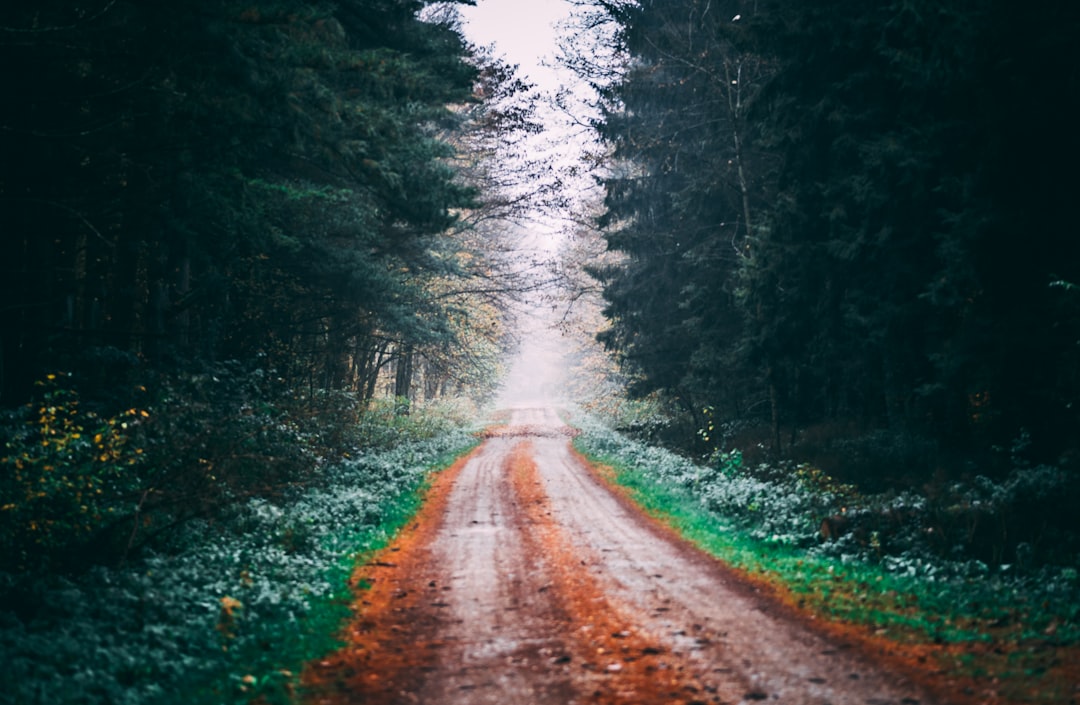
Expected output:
(222, 608)
(65, 474)
(874, 558)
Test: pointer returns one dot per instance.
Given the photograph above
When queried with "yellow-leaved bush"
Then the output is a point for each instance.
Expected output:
(65, 474)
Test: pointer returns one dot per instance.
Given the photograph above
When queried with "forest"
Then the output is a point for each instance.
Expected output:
(844, 227)
(240, 241)
(258, 280)
(244, 219)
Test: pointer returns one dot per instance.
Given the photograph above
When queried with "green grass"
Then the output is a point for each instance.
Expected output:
(856, 592)
(155, 631)
(1002, 627)
(274, 656)
(860, 594)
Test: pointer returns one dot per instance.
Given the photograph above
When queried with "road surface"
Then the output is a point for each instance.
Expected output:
(525, 580)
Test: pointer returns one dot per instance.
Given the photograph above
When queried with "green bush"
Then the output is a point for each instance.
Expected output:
(937, 546)
(65, 475)
(222, 609)
(1022, 520)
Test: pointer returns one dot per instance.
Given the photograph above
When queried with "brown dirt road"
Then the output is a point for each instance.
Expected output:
(525, 580)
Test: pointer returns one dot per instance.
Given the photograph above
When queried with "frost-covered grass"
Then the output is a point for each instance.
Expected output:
(228, 610)
(882, 563)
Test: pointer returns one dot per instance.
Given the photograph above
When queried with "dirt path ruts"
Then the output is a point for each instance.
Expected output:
(525, 580)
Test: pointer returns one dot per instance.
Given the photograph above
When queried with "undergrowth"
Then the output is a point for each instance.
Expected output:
(225, 608)
(863, 559)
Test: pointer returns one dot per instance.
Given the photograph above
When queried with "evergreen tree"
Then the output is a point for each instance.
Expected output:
(846, 213)
(268, 183)
(681, 199)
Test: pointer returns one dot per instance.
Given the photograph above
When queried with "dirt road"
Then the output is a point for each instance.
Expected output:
(525, 580)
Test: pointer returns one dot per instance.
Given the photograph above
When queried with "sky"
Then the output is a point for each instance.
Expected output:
(526, 33)
(523, 31)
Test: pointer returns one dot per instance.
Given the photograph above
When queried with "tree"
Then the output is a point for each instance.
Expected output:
(234, 224)
(263, 183)
(681, 199)
(822, 209)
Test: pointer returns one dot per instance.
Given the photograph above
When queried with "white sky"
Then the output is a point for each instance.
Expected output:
(523, 31)
(526, 33)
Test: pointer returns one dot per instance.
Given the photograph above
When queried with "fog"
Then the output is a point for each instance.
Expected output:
(538, 374)
(525, 34)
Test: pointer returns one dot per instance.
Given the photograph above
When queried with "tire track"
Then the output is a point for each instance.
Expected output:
(526, 580)
(742, 639)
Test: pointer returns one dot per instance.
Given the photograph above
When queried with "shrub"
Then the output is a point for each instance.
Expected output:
(221, 609)
(1021, 521)
(907, 560)
(65, 475)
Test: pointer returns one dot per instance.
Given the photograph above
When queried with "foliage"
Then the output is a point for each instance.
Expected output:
(822, 221)
(772, 520)
(269, 183)
(227, 610)
(382, 425)
(259, 235)
(65, 475)
(84, 487)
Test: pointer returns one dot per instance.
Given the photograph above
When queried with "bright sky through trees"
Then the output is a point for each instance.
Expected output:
(527, 34)
(523, 31)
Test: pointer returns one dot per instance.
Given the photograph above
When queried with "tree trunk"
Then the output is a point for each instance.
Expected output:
(774, 405)
(433, 380)
(734, 95)
(403, 378)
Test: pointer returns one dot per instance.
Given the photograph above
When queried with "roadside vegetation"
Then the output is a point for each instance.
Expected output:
(811, 225)
(272, 287)
(150, 591)
(978, 578)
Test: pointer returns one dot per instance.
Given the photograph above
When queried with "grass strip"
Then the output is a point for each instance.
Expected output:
(230, 609)
(275, 657)
(1021, 650)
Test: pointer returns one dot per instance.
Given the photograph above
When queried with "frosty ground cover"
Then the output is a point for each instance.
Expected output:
(229, 609)
(885, 565)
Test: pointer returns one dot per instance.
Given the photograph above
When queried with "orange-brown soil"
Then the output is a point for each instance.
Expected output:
(630, 665)
(526, 580)
(388, 640)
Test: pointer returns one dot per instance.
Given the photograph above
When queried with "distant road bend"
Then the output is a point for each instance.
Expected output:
(527, 581)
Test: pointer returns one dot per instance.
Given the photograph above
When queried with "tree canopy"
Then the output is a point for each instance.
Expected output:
(264, 182)
(847, 213)
(225, 230)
